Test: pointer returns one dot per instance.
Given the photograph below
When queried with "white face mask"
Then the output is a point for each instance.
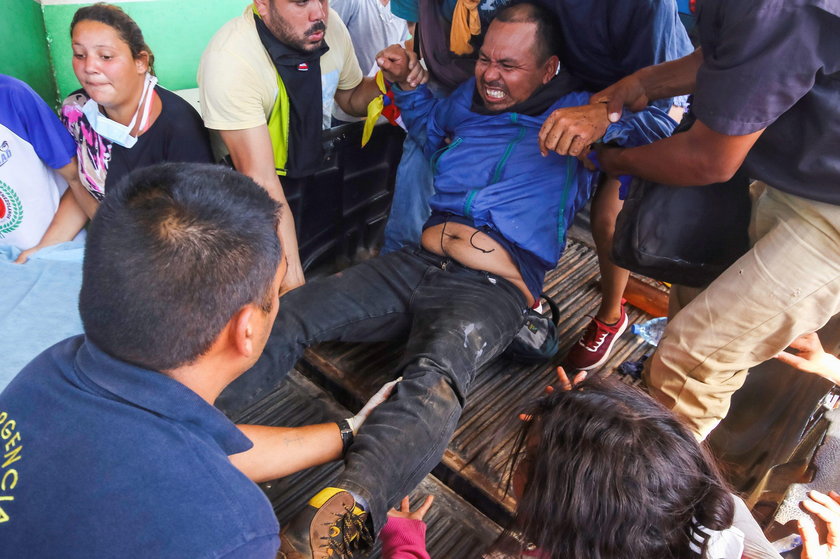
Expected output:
(114, 131)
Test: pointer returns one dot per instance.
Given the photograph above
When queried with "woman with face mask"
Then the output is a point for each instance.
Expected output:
(121, 119)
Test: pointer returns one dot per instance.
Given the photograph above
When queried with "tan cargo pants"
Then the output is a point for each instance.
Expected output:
(787, 285)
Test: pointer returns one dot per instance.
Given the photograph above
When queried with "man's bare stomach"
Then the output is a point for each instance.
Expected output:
(474, 249)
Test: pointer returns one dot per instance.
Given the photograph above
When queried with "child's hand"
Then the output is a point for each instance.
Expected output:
(405, 509)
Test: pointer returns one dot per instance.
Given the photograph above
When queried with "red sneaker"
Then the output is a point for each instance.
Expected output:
(594, 346)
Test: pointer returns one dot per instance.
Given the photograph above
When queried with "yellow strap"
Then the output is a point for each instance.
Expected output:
(374, 109)
(325, 495)
(465, 24)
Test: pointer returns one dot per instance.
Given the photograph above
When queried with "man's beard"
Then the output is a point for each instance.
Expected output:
(281, 29)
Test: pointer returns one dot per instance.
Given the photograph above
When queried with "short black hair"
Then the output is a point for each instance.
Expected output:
(172, 253)
(548, 37)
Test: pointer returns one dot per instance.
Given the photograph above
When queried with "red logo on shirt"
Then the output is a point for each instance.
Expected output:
(303, 67)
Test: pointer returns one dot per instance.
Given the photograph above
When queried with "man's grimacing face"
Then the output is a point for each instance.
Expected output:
(508, 70)
(298, 24)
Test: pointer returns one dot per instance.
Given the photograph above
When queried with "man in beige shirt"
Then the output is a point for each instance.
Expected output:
(259, 88)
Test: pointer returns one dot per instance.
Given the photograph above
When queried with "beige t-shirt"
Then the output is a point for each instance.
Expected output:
(237, 80)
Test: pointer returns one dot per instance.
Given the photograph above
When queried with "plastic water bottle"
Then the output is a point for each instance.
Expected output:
(650, 331)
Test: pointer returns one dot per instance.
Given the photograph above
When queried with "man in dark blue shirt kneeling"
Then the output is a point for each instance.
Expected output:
(112, 446)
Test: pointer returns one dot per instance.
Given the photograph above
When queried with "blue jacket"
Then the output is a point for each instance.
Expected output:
(493, 173)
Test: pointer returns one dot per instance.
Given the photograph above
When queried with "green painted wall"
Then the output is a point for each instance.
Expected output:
(24, 50)
(176, 30)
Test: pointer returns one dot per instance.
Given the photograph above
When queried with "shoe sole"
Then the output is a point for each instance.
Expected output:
(344, 501)
(609, 349)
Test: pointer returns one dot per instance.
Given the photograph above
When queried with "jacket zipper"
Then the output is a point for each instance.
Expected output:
(500, 166)
(439, 153)
(571, 167)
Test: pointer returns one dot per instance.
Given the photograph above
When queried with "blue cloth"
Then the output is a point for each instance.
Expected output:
(413, 187)
(409, 10)
(606, 40)
(25, 113)
(493, 173)
(39, 306)
(410, 205)
(405, 9)
(116, 461)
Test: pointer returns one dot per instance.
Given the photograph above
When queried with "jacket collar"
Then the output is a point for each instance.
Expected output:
(156, 393)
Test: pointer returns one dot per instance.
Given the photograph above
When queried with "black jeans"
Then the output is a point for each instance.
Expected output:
(457, 319)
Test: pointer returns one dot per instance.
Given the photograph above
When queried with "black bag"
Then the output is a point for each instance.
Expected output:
(684, 235)
(537, 339)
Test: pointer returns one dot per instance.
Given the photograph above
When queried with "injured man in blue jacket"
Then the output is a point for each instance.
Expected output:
(500, 214)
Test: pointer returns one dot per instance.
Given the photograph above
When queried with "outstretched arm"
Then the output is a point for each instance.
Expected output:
(417, 104)
(697, 156)
(399, 66)
(69, 218)
(404, 535)
(280, 451)
(636, 91)
(252, 154)
(571, 130)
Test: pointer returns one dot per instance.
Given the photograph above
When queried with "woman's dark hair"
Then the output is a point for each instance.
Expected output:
(612, 474)
(115, 17)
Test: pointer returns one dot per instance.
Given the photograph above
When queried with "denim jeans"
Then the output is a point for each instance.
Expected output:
(413, 188)
(457, 319)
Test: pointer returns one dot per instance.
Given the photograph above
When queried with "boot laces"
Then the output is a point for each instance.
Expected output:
(347, 533)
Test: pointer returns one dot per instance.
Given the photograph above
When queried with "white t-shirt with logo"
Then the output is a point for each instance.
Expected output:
(33, 143)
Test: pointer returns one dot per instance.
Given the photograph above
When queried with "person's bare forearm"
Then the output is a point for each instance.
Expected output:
(670, 161)
(697, 156)
(252, 155)
(66, 224)
(88, 203)
(69, 219)
(361, 96)
(84, 199)
(673, 78)
(287, 234)
(281, 451)
(640, 88)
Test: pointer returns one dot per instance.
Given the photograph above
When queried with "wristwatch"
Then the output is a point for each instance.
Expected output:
(346, 434)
